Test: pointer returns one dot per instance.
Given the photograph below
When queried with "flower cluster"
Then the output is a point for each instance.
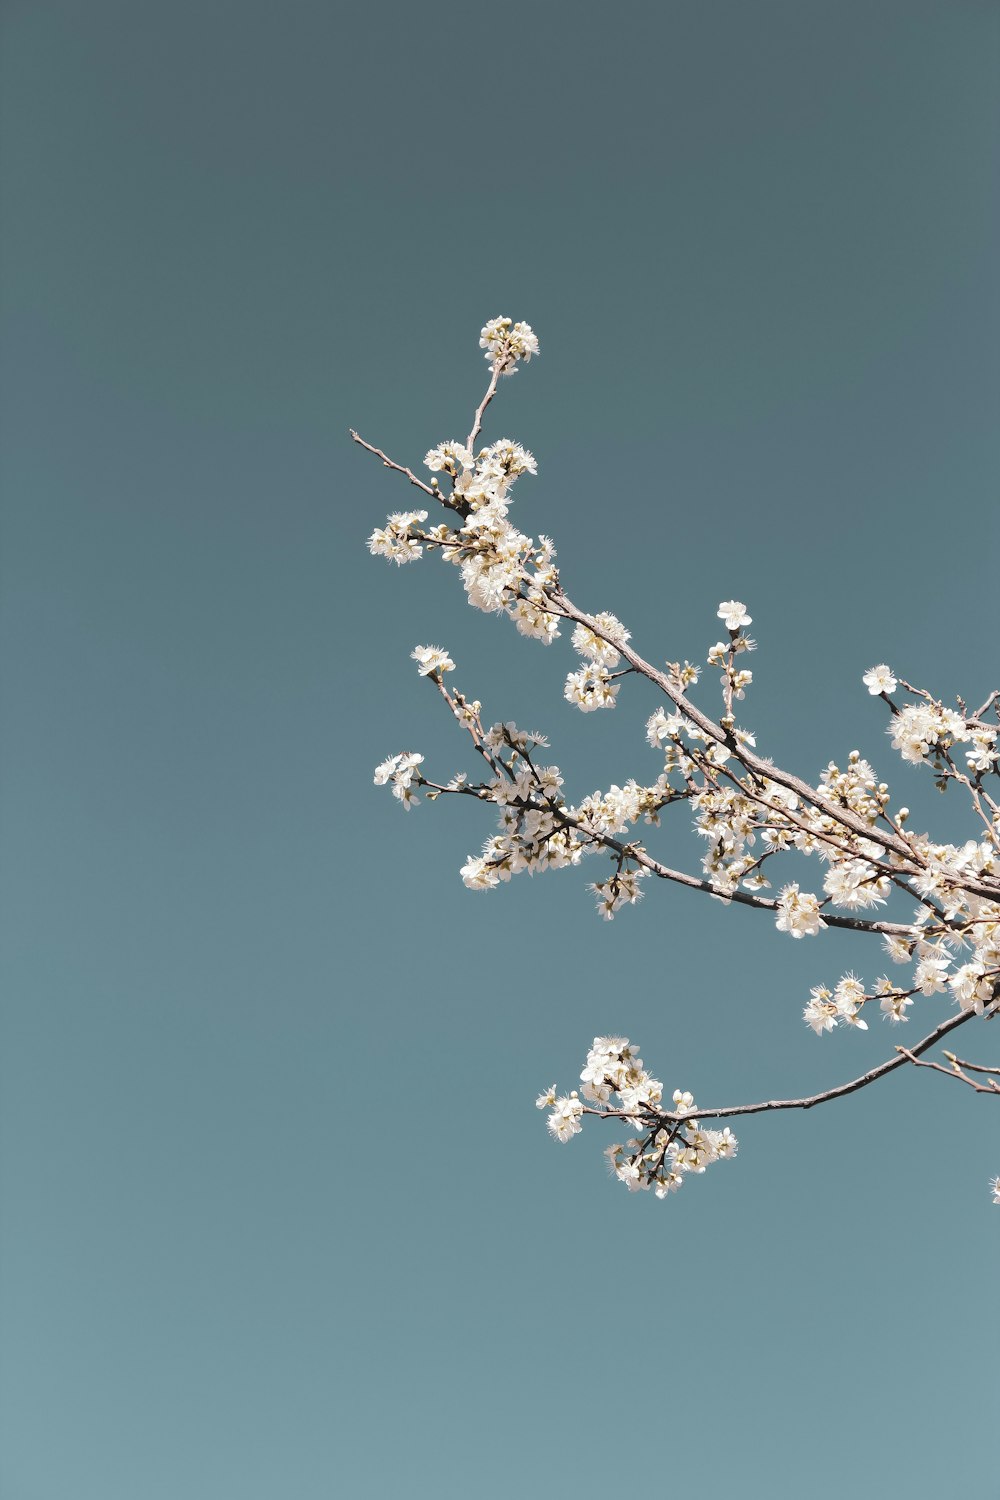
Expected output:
(622, 889)
(399, 539)
(735, 680)
(502, 569)
(827, 1009)
(593, 685)
(798, 913)
(670, 1144)
(923, 729)
(535, 826)
(604, 648)
(402, 771)
(506, 342)
(491, 553)
(431, 660)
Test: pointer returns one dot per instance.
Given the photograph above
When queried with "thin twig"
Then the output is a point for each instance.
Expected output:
(955, 1071)
(873, 1074)
(491, 391)
(638, 854)
(428, 489)
(972, 1067)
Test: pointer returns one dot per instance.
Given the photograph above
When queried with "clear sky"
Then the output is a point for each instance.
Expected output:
(278, 1215)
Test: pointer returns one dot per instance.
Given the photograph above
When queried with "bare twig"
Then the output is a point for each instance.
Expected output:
(972, 1067)
(956, 1071)
(428, 489)
(477, 423)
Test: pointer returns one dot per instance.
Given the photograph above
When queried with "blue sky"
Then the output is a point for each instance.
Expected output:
(278, 1214)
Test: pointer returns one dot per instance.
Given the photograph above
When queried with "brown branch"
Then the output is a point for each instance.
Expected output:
(638, 855)
(730, 1111)
(428, 489)
(563, 606)
(755, 763)
(477, 423)
(956, 1071)
(973, 1067)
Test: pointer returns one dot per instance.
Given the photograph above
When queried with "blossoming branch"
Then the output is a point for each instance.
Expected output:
(749, 812)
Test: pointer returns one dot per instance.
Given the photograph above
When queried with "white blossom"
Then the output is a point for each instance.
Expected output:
(596, 649)
(402, 771)
(591, 688)
(622, 889)
(971, 988)
(398, 539)
(894, 1005)
(798, 913)
(564, 1120)
(984, 755)
(451, 457)
(431, 660)
(658, 1157)
(506, 342)
(919, 726)
(507, 457)
(879, 680)
(733, 614)
(849, 996)
(855, 884)
(821, 1011)
(533, 619)
(478, 874)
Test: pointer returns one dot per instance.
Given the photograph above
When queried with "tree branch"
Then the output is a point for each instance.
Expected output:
(389, 463)
(728, 1112)
(752, 762)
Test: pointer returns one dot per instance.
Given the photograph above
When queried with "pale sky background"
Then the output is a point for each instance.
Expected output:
(278, 1215)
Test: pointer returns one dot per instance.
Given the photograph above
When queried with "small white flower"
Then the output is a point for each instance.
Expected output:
(385, 769)
(894, 1005)
(898, 949)
(478, 874)
(629, 1173)
(450, 457)
(431, 660)
(879, 680)
(848, 997)
(733, 614)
